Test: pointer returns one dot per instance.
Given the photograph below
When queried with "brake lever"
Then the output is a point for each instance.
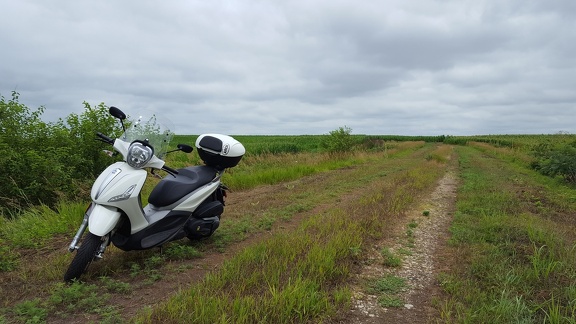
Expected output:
(109, 153)
(155, 174)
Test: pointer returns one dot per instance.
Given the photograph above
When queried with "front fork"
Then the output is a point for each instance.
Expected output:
(74, 244)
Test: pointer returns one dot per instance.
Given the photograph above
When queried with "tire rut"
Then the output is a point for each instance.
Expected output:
(419, 268)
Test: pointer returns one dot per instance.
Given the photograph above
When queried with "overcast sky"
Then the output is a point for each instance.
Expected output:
(406, 67)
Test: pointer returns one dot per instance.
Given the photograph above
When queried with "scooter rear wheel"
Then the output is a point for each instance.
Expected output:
(84, 256)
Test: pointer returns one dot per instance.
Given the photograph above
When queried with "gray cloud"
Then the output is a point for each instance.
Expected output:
(301, 67)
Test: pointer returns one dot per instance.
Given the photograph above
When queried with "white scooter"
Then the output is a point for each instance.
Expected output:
(186, 203)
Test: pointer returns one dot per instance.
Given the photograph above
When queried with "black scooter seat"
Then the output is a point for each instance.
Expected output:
(173, 188)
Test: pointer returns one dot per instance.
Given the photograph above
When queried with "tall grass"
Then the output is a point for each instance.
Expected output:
(516, 266)
(516, 142)
(269, 144)
(271, 169)
(281, 280)
(33, 227)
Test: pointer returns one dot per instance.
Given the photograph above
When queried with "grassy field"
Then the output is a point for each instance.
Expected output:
(515, 231)
(302, 223)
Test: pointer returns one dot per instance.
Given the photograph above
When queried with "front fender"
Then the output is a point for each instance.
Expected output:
(102, 220)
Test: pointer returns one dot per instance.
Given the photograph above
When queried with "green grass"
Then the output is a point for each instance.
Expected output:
(281, 280)
(272, 169)
(289, 144)
(237, 228)
(271, 144)
(514, 142)
(388, 290)
(390, 259)
(76, 298)
(115, 286)
(30, 311)
(9, 257)
(33, 227)
(181, 251)
(516, 264)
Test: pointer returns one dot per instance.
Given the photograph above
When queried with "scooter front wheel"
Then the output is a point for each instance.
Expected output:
(84, 256)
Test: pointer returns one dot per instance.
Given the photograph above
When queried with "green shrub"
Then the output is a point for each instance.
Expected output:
(339, 140)
(30, 311)
(43, 162)
(559, 160)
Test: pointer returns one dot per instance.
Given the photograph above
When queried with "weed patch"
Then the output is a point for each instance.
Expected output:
(76, 298)
(390, 259)
(30, 311)
(388, 290)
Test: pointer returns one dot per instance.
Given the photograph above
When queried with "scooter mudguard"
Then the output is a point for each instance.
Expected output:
(102, 220)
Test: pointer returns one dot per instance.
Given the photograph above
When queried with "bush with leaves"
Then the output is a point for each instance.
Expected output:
(556, 160)
(42, 162)
(339, 140)
(89, 160)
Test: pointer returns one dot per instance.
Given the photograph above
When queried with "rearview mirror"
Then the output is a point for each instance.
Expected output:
(117, 113)
(185, 148)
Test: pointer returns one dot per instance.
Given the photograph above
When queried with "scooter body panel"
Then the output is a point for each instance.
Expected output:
(166, 229)
(102, 219)
(192, 201)
(119, 186)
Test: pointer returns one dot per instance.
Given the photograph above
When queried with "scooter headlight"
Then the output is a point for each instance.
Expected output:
(139, 154)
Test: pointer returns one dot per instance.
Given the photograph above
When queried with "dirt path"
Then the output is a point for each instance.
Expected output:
(419, 268)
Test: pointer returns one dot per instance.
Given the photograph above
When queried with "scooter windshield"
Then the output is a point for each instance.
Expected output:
(149, 126)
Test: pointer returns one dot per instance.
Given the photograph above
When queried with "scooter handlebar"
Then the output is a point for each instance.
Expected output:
(105, 138)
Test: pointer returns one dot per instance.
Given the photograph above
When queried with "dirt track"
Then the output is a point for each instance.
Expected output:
(419, 269)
